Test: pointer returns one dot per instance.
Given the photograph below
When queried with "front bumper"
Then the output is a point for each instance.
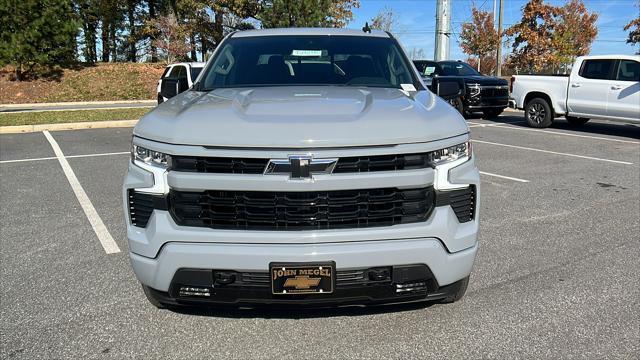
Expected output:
(165, 274)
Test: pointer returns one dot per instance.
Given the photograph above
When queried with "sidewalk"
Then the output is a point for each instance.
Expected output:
(70, 106)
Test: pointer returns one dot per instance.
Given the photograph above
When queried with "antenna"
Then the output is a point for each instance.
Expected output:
(366, 28)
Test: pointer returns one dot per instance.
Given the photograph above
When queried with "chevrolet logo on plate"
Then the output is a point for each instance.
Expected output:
(302, 282)
(300, 167)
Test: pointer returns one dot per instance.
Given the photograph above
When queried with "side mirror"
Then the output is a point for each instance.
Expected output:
(172, 86)
(447, 88)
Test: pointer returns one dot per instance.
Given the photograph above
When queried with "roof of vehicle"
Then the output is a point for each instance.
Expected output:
(310, 31)
(192, 64)
(613, 56)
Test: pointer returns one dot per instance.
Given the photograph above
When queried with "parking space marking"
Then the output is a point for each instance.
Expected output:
(108, 244)
(68, 157)
(504, 177)
(553, 152)
(503, 126)
(495, 125)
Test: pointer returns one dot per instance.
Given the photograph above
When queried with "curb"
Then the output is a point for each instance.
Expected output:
(67, 126)
(78, 103)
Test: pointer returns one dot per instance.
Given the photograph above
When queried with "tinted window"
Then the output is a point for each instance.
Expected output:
(628, 70)
(308, 60)
(195, 71)
(596, 69)
(166, 70)
(457, 69)
(427, 68)
(179, 72)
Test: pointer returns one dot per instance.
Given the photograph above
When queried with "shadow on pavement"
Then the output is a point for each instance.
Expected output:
(300, 312)
(593, 127)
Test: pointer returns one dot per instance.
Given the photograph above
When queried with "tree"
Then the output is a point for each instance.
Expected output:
(533, 37)
(479, 37)
(295, 13)
(634, 26)
(87, 11)
(37, 32)
(306, 13)
(574, 32)
(173, 37)
(341, 12)
(386, 20)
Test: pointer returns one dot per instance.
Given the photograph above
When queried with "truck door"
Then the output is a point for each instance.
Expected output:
(624, 93)
(588, 90)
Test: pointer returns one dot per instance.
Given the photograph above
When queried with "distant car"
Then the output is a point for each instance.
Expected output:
(485, 94)
(186, 74)
(603, 86)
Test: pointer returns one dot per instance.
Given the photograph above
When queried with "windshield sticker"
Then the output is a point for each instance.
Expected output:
(429, 70)
(408, 87)
(306, 53)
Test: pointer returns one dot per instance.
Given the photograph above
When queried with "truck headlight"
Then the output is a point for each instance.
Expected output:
(150, 157)
(446, 159)
(473, 90)
(450, 154)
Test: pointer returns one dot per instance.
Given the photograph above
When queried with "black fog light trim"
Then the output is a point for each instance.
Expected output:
(141, 206)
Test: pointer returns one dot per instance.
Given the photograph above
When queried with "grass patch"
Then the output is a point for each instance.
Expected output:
(100, 82)
(55, 117)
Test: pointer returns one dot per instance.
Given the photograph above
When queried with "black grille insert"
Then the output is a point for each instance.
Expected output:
(218, 165)
(354, 164)
(382, 163)
(252, 210)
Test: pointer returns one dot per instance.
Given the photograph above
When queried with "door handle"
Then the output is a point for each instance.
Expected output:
(616, 87)
(575, 85)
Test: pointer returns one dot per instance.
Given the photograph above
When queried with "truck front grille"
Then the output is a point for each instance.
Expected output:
(254, 210)
(356, 164)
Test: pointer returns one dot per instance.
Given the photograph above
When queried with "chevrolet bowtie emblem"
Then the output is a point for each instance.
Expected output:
(300, 167)
(301, 282)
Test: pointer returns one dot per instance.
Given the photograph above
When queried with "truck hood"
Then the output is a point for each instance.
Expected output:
(301, 117)
(486, 80)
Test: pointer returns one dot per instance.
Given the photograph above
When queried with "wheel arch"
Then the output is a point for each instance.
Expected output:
(538, 94)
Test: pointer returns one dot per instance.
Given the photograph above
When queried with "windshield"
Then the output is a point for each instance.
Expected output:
(457, 69)
(308, 60)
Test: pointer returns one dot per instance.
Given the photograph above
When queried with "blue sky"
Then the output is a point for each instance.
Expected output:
(416, 27)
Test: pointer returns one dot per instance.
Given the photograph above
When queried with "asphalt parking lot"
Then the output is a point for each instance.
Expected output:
(556, 275)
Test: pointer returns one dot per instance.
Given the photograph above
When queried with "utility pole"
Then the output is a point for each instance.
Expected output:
(494, 14)
(443, 30)
(499, 52)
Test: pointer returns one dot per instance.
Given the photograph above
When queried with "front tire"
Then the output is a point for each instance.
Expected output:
(576, 121)
(538, 113)
(491, 113)
(160, 99)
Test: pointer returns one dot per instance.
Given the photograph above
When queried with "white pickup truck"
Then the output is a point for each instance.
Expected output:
(605, 87)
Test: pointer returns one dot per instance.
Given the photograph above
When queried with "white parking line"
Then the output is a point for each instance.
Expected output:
(108, 244)
(494, 125)
(552, 152)
(503, 126)
(504, 177)
(68, 157)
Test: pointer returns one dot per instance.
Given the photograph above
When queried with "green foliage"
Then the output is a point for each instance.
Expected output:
(296, 13)
(37, 32)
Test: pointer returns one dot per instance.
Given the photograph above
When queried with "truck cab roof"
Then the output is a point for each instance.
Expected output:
(309, 31)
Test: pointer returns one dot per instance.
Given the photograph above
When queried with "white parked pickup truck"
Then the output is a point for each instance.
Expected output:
(605, 87)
